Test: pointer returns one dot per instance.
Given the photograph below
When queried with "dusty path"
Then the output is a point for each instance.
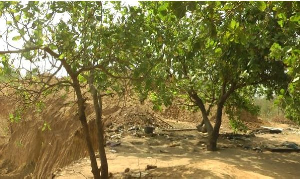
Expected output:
(230, 163)
(182, 155)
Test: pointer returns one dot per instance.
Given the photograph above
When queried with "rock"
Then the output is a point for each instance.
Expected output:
(110, 175)
(247, 147)
(278, 149)
(127, 170)
(201, 128)
(270, 130)
(257, 149)
(114, 144)
(163, 151)
(113, 151)
(275, 131)
(149, 167)
(149, 129)
(291, 145)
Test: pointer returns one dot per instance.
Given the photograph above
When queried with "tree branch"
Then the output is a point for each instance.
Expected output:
(20, 51)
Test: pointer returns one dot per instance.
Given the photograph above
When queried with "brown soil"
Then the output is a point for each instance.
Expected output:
(28, 151)
(183, 155)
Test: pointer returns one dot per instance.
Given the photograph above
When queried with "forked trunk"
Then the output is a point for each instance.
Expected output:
(82, 118)
(97, 100)
(100, 130)
(91, 151)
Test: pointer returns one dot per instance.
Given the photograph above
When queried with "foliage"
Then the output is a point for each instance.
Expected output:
(288, 16)
(237, 125)
(218, 52)
(46, 126)
(85, 40)
(16, 116)
(211, 53)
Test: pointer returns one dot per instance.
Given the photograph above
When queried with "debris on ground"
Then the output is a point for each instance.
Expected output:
(163, 151)
(285, 147)
(149, 129)
(291, 145)
(178, 130)
(278, 149)
(149, 167)
(267, 130)
(241, 137)
(113, 144)
(127, 170)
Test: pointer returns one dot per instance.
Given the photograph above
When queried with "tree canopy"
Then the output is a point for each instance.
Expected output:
(218, 54)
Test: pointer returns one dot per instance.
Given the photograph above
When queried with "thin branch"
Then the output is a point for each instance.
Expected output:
(20, 51)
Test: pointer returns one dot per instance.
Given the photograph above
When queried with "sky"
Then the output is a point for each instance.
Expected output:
(19, 44)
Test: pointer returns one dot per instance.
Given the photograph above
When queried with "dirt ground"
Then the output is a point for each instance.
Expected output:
(182, 154)
(28, 151)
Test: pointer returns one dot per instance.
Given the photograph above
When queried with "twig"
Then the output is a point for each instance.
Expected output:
(186, 129)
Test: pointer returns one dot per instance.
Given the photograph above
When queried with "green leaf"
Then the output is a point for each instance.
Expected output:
(280, 23)
(218, 51)
(295, 18)
(163, 8)
(62, 56)
(281, 16)
(17, 18)
(262, 6)
(276, 51)
(22, 31)
(15, 38)
(46, 126)
(233, 24)
(49, 16)
(81, 78)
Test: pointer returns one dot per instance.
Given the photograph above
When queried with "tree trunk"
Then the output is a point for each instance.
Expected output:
(94, 165)
(201, 106)
(100, 130)
(82, 118)
(201, 127)
(212, 142)
(213, 137)
(103, 159)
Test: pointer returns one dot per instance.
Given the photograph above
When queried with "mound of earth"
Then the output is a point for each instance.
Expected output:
(46, 140)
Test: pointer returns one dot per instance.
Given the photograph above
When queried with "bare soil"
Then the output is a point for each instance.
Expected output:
(183, 155)
(27, 151)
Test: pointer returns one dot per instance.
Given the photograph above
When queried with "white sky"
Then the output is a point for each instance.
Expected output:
(19, 44)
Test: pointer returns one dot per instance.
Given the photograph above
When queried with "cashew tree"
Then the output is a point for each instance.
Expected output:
(81, 43)
(213, 52)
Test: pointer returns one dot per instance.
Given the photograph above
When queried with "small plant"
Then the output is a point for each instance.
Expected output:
(46, 126)
(19, 143)
(40, 106)
(15, 117)
(237, 125)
